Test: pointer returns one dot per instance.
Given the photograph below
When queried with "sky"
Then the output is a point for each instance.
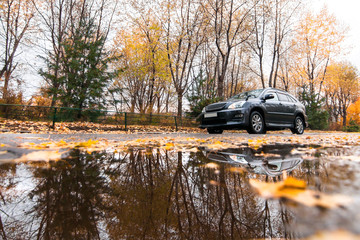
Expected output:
(347, 13)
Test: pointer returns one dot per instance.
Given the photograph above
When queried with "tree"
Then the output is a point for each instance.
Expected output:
(200, 95)
(273, 22)
(342, 88)
(316, 42)
(184, 30)
(143, 73)
(59, 18)
(84, 68)
(142, 62)
(16, 17)
(317, 116)
(56, 17)
(231, 25)
(354, 111)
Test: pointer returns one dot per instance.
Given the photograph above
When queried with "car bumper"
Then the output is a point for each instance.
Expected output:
(225, 119)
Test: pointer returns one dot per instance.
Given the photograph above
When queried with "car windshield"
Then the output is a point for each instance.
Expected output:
(246, 95)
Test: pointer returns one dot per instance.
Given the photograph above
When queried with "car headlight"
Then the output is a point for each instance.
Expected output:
(236, 105)
(203, 110)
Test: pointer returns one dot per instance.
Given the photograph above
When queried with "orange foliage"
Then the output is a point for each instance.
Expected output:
(318, 40)
(39, 100)
(354, 111)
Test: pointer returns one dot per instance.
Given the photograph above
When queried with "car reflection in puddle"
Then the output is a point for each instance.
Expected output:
(268, 161)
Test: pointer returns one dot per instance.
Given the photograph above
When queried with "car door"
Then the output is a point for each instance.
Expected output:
(292, 108)
(272, 106)
(287, 108)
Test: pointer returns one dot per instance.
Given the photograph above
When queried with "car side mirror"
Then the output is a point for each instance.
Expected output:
(269, 96)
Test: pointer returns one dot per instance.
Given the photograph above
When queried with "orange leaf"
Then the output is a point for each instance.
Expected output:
(295, 190)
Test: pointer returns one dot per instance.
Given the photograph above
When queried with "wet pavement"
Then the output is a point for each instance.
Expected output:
(14, 139)
(153, 193)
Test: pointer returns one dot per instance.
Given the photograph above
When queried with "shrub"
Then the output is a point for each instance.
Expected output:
(352, 127)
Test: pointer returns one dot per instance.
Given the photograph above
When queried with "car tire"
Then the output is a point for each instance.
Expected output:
(299, 126)
(256, 123)
(215, 131)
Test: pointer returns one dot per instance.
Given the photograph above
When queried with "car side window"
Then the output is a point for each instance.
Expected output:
(283, 97)
(275, 96)
(291, 98)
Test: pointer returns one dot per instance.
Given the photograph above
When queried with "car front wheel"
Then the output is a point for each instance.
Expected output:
(299, 126)
(257, 124)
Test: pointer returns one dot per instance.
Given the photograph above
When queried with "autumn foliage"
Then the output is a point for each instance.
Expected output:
(354, 111)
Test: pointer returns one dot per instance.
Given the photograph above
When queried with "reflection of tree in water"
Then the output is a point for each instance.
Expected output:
(69, 197)
(7, 172)
(140, 185)
(162, 196)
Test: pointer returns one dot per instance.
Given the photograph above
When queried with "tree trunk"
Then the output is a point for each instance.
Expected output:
(221, 79)
(180, 104)
(6, 86)
(221, 86)
(167, 103)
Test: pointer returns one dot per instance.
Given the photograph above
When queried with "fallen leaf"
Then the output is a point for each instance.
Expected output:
(169, 146)
(42, 156)
(295, 190)
(86, 144)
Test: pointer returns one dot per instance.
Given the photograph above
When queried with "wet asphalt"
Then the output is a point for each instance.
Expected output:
(14, 139)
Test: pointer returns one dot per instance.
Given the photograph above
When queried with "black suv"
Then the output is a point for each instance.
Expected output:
(256, 111)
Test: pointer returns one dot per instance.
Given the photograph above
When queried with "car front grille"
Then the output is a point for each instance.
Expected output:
(213, 121)
(215, 107)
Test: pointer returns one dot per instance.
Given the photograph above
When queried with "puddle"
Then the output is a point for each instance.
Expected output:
(158, 194)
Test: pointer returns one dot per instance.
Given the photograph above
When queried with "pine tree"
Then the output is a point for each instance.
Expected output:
(82, 72)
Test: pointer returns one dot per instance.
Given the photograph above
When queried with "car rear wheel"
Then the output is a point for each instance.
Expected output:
(299, 126)
(215, 131)
(257, 124)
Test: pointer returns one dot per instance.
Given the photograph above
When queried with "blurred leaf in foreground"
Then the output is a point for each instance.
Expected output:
(295, 190)
(334, 235)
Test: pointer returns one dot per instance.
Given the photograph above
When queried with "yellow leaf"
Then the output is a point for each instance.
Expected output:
(88, 143)
(295, 190)
(291, 182)
(169, 146)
